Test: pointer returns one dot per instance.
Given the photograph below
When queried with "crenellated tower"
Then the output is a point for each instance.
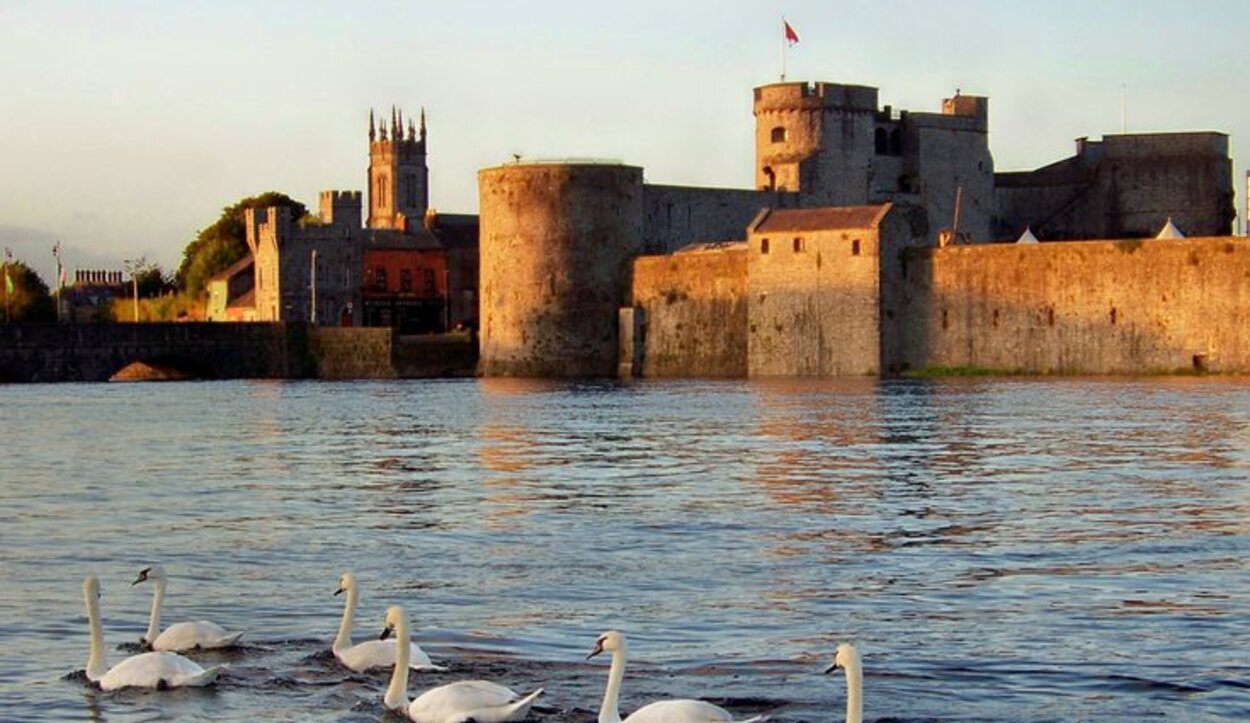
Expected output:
(399, 179)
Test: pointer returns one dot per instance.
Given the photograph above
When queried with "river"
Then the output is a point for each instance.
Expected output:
(999, 550)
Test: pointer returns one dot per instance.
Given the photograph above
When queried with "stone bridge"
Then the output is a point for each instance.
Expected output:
(95, 352)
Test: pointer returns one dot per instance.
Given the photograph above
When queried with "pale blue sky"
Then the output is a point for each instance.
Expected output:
(126, 126)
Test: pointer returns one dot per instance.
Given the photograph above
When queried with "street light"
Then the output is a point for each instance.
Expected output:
(134, 266)
(313, 285)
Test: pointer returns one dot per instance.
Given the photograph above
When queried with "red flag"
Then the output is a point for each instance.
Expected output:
(791, 36)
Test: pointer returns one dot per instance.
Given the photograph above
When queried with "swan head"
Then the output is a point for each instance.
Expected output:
(91, 588)
(395, 617)
(611, 641)
(844, 657)
(155, 572)
(347, 581)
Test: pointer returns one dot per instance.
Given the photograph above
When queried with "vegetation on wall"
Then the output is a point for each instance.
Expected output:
(218, 246)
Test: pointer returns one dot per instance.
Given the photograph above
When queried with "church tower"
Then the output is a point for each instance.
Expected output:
(399, 180)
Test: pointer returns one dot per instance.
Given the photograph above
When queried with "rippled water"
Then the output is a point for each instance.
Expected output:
(1000, 550)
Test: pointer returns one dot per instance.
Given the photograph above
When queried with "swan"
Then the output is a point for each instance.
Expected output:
(661, 711)
(147, 670)
(371, 653)
(465, 701)
(847, 658)
(179, 637)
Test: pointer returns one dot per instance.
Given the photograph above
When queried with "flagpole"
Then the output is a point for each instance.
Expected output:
(783, 48)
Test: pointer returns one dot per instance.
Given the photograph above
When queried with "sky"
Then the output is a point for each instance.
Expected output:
(127, 125)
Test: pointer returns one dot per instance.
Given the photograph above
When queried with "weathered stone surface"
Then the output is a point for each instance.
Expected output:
(557, 240)
(1088, 307)
(694, 308)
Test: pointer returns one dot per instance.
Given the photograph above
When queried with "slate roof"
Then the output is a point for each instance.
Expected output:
(821, 219)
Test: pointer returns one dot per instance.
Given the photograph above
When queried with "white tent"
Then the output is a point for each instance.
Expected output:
(1170, 230)
(1027, 237)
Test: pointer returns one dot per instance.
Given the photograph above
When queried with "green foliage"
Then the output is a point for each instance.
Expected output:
(152, 282)
(166, 307)
(225, 242)
(30, 300)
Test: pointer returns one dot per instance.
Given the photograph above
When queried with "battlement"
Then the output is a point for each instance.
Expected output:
(835, 96)
(967, 106)
(341, 208)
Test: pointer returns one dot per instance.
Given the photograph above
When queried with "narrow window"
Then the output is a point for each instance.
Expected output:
(431, 288)
(380, 279)
(881, 142)
(855, 247)
(405, 280)
(896, 142)
(1113, 316)
(798, 245)
(1050, 317)
(779, 135)
(764, 246)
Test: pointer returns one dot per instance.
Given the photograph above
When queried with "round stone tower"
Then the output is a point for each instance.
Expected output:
(816, 139)
(557, 243)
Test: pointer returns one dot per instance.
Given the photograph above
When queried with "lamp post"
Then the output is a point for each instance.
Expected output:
(312, 284)
(134, 266)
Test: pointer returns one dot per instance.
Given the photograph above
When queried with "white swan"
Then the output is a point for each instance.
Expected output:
(201, 635)
(847, 658)
(478, 701)
(661, 711)
(371, 653)
(146, 670)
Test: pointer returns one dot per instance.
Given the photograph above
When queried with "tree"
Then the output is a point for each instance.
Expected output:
(30, 300)
(225, 242)
(151, 280)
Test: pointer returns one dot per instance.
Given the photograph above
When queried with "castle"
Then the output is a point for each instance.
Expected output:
(871, 242)
(866, 248)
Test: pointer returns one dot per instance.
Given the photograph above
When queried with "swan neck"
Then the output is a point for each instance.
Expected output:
(154, 619)
(344, 639)
(97, 661)
(610, 711)
(854, 692)
(397, 692)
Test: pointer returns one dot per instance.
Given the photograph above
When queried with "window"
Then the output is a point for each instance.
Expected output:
(379, 279)
(855, 247)
(896, 142)
(405, 280)
(779, 135)
(763, 246)
(798, 245)
(772, 178)
(881, 142)
(431, 288)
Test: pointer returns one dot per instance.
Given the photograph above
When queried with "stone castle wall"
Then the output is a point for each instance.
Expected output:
(556, 244)
(694, 308)
(1090, 307)
(675, 216)
(812, 308)
(1123, 187)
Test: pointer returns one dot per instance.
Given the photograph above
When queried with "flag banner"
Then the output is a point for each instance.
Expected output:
(791, 36)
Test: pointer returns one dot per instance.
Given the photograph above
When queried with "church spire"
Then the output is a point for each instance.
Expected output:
(372, 133)
(423, 124)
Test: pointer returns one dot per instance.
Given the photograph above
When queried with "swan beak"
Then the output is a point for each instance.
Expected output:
(598, 649)
(338, 592)
(386, 633)
(138, 580)
(832, 668)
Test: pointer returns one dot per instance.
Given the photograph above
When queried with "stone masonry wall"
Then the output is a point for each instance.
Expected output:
(813, 304)
(695, 313)
(1090, 307)
(675, 216)
(95, 352)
